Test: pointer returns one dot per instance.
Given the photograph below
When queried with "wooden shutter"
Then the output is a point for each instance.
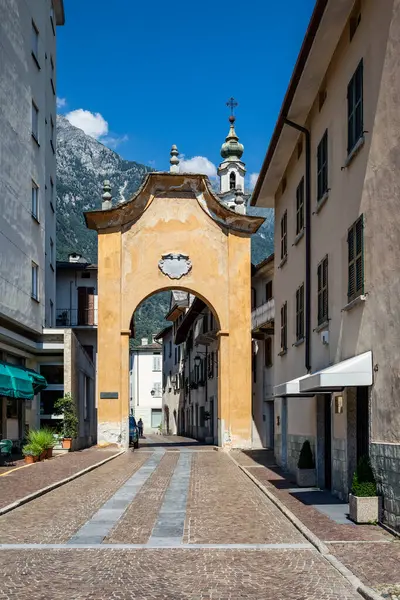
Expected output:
(355, 240)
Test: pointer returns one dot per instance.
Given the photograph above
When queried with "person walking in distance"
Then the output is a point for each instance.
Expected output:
(140, 426)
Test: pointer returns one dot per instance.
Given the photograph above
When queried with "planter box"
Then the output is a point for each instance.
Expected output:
(67, 443)
(365, 509)
(306, 477)
(29, 459)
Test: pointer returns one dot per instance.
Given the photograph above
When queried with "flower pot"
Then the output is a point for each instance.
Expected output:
(306, 477)
(67, 443)
(43, 455)
(49, 453)
(29, 459)
(365, 509)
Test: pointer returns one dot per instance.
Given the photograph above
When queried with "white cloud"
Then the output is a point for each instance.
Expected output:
(92, 124)
(253, 180)
(61, 102)
(197, 164)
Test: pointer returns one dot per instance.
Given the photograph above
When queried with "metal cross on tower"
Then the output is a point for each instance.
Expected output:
(232, 104)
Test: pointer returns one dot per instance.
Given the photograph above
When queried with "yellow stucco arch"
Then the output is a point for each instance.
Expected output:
(174, 215)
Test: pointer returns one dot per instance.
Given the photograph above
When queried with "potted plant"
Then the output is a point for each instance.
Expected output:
(31, 453)
(66, 406)
(44, 439)
(364, 505)
(305, 473)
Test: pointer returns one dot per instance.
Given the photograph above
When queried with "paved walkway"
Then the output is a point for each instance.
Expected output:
(166, 522)
(22, 480)
(370, 552)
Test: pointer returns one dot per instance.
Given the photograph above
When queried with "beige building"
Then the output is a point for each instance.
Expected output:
(28, 202)
(331, 172)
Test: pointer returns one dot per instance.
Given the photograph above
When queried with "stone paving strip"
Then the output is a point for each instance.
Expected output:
(170, 574)
(57, 515)
(171, 518)
(103, 521)
(136, 525)
(17, 484)
(223, 508)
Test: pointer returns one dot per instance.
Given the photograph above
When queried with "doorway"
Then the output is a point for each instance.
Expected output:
(269, 416)
(362, 427)
(328, 441)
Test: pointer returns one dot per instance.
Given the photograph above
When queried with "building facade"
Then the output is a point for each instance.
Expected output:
(145, 384)
(331, 172)
(27, 178)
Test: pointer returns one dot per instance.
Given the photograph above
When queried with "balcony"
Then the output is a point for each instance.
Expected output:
(262, 318)
(76, 317)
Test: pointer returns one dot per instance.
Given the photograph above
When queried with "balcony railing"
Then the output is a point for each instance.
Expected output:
(262, 315)
(76, 317)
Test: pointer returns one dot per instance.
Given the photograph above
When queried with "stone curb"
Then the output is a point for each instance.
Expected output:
(56, 484)
(355, 582)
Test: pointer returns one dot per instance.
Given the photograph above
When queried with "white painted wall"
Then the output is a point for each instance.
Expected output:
(145, 376)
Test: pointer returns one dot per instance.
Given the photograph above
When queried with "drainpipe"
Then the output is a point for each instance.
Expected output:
(307, 136)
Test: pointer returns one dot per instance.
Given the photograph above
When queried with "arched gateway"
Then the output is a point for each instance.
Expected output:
(173, 234)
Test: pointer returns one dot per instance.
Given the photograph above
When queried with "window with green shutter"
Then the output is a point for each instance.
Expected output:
(323, 291)
(355, 111)
(300, 313)
(322, 166)
(300, 207)
(284, 236)
(284, 328)
(355, 242)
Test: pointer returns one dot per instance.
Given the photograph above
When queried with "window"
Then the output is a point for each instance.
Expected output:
(253, 298)
(300, 207)
(35, 281)
(323, 291)
(355, 241)
(156, 417)
(89, 351)
(51, 253)
(54, 374)
(268, 352)
(35, 201)
(157, 362)
(355, 108)
(52, 78)
(157, 389)
(35, 121)
(284, 328)
(232, 181)
(210, 365)
(48, 398)
(284, 236)
(52, 139)
(254, 367)
(51, 312)
(35, 44)
(322, 166)
(176, 355)
(268, 291)
(52, 195)
(85, 275)
(300, 313)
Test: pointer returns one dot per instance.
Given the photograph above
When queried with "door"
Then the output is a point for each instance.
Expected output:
(328, 442)
(211, 421)
(268, 418)
(284, 432)
(85, 306)
(362, 423)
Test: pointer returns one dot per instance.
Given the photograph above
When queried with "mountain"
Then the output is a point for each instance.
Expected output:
(83, 163)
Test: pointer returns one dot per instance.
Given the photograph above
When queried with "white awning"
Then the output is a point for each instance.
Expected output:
(353, 372)
(290, 388)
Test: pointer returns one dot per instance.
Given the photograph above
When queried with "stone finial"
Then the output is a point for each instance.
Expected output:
(107, 197)
(239, 201)
(174, 160)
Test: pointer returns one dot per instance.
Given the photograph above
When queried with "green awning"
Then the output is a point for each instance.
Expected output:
(18, 382)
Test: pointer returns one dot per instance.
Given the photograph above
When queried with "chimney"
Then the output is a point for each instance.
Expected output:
(144, 342)
(153, 339)
(74, 257)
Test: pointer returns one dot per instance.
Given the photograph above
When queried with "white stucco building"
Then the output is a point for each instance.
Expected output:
(145, 382)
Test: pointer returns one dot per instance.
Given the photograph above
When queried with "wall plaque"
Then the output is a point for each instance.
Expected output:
(109, 395)
(175, 265)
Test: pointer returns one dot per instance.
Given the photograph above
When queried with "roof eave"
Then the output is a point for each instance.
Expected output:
(59, 12)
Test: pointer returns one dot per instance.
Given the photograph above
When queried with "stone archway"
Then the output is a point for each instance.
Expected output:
(174, 234)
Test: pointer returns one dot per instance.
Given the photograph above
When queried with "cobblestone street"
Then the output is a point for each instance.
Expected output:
(169, 522)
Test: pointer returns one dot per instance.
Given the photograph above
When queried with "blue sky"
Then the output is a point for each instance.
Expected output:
(159, 73)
